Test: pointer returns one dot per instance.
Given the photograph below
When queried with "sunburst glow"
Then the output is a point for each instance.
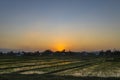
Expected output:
(60, 46)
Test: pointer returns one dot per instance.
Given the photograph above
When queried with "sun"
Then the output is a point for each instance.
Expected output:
(59, 47)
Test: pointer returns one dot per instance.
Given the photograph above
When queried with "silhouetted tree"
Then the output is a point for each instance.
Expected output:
(47, 52)
(102, 53)
(1, 53)
(11, 53)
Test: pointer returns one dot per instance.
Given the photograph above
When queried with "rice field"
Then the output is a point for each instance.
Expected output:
(58, 68)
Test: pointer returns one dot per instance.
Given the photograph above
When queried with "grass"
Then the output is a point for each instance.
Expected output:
(58, 68)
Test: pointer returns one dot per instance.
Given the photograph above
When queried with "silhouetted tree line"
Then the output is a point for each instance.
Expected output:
(107, 53)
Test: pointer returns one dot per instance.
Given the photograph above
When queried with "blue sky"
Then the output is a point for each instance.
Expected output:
(72, 24)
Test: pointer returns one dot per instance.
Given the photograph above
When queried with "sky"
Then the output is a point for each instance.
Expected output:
(76, 25)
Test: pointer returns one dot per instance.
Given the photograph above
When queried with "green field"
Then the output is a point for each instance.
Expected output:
(58, 68)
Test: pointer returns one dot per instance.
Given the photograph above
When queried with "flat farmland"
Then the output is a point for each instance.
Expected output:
(58, 68)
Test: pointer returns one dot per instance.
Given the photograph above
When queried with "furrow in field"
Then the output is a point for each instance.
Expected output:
(107, 69)
(59, 68)
(52, 65)
(15, 70)
(84, 70)
(28, 64)
(70, 67)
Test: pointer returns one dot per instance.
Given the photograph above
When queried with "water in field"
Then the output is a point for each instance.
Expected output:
(57, 68)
